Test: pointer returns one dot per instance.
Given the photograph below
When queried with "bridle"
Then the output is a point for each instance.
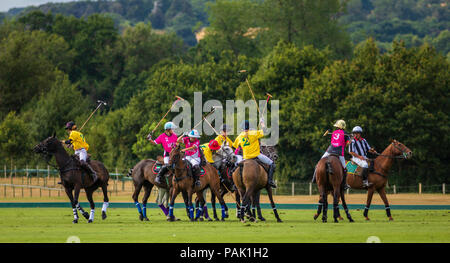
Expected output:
(404, 153)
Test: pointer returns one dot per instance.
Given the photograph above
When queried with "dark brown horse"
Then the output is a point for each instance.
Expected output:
(183, 182)
(250, 177)
(143, 176)
(74, 178)
(329, 176)
(378, 177)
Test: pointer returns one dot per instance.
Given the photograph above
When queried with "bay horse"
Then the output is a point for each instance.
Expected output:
(74, 178)
(329, 177)
(378, 177)
(143, 176)
(250, 177)
(183, 182)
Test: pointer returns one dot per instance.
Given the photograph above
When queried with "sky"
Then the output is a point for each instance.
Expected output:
(5, 5)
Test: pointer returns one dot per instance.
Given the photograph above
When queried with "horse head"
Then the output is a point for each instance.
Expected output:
(224, 154)
(48, 146)
(400, 149)
(175, 156)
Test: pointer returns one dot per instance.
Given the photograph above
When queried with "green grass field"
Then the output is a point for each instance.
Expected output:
(122, 225)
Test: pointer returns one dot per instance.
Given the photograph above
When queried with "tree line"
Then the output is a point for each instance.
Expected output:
(54, 67)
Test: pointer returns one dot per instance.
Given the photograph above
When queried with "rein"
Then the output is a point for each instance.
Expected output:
(403, 156)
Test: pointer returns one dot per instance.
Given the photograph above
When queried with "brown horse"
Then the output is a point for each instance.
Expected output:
(183, 182)
(250, 178)
(143, 176)
(74, 178)
(329, 176)
(378, 177)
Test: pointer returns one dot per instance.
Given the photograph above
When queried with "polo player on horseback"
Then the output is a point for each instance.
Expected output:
(223, 138)
(338, 142)
(248, 140)
(192, 153)
(358, 149)
(168, 140)
(80, 146)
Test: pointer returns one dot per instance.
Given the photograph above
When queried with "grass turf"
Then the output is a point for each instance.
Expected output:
(54, 225)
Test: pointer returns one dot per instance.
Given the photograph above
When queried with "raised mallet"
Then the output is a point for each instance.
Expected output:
(100, 103)
(173, 104)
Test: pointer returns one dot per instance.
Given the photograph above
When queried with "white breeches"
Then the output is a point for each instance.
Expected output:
(341, 158)
(264, 159)
(193, 160)
(360, 162)
(82, 154)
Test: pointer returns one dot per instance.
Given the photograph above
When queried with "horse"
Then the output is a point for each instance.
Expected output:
(143, 176)
(250, 177)
(379, 176)
(329, 177)
(183, 182)
(74, 178)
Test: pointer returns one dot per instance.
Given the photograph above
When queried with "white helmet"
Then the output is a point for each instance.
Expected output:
(357, 129)
(169, 125)
(194, 134)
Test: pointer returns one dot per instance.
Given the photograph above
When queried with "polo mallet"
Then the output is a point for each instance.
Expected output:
(251, 91)
(326, 133)
(267, 102)
(210, 125)
(157, 125)
(100, 103)
(206, 115)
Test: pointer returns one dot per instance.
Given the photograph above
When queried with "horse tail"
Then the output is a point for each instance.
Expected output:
(130, 172)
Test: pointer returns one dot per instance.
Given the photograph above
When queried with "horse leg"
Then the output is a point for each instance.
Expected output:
(382, 193)
(75, 199)
(369, 200)
(105, 200)
(191, 208)
(92, 204)
(272, 203)
(336, 196)
(175, 192)
(258, 207)
(325, 207)
(186, 204)
(147, 190)
(320, 206)
(74, 209)
(201, 202)
(226, 207)
(213, 204)
(253, 211)
(137, 190)
(238, 204)
(216, 190)
(344, 204)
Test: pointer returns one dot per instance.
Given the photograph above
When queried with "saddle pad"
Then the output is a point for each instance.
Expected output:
(156, 168)
(353, 168)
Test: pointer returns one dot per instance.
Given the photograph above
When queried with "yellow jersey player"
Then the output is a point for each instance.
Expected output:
(80, 146)
(248, 140)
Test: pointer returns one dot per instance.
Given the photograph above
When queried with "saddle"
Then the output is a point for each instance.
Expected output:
(353, 168)
(263, 165)
(189, 165)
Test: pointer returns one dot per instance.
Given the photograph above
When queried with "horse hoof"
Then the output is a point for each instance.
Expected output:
(391, 219)
(367, 219)
(86, 215)
(223, 219)
(341, 218)
(201, 219)
(216, 218)
(209, 219)
(171, 218)
(75, 221)
(104, 215)
(336, 221)
(351, 220)
(279, 220)
(252, 219)
(141, 217)
(90, 221)
(146, 219)
(316, 216)
(324, 220)
(261, 218)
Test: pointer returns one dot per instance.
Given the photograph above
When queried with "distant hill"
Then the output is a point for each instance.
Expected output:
(413, 21)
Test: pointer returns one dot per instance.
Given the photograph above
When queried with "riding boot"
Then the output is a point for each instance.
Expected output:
(344, 180)
(270, 174)
(91, 171)
(196, 175)
(365, 175)
(161, 173)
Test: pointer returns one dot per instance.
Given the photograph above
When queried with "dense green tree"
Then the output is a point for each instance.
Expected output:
(15, 141)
